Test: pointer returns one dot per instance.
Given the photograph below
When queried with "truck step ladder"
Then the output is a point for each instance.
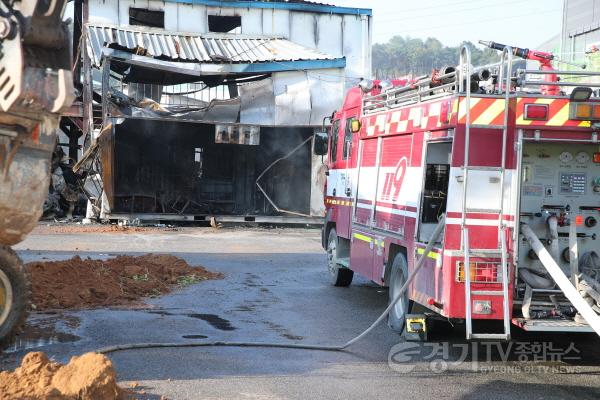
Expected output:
(501, 250)
(506, 309)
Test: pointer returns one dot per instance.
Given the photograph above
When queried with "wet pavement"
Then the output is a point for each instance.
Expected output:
(276, 289)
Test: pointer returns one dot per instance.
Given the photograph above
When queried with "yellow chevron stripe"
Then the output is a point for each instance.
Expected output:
(522, 121)
(560, 117)
(495, 109)
(462, 110)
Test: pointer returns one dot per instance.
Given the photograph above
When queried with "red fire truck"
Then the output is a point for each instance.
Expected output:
(509, 157)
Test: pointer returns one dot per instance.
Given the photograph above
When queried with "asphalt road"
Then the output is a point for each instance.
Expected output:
(276, 289)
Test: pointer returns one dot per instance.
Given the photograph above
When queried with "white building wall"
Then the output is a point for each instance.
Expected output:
(339, 35)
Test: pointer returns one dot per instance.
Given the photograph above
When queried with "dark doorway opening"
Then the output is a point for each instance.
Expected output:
(176, 167)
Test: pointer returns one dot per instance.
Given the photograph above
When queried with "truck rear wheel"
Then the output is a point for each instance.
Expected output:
(14, 295)
(398, 275)
(339, 275)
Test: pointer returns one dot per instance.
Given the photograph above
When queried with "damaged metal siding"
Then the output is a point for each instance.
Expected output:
(297, 98)
(210, 48)
(341, 32)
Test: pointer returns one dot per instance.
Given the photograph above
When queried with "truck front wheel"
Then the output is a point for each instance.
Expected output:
(339, 275)
(14, 295)
(398, 275)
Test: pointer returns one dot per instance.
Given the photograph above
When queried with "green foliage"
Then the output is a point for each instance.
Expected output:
(141, 278)
(405, 55)
(188, 280)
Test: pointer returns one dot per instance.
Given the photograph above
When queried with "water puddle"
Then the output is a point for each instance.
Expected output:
(214, 320)
(194, 337)
(43, 332)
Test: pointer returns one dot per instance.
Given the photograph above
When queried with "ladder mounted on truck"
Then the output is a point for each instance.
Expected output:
(501, 251)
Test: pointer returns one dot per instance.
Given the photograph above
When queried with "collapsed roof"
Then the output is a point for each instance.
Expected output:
(206, 54)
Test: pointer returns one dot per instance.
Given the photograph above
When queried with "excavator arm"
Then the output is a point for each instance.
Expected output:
(36, 85)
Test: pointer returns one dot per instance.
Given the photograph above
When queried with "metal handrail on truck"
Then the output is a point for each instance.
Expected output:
(523, 79)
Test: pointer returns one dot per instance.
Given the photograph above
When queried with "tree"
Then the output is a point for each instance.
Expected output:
(402, 56)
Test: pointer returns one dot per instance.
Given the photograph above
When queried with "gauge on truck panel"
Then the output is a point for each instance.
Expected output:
(582, 157)
(565, 157)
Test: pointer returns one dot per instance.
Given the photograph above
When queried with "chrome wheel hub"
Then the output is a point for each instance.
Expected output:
(6, 297)
(332, 257)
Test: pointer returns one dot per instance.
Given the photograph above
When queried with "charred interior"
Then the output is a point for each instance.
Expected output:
(178, 167)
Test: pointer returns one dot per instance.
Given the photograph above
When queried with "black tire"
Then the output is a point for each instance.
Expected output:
(398, 275)
(14, 295)
(339, 275)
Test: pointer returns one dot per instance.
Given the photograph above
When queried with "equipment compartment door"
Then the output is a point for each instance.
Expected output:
(364, 244)
(367, 182)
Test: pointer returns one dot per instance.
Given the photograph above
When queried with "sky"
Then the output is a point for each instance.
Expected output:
(522, 23)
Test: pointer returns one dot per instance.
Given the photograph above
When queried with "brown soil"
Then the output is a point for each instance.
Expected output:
(87, 377)
(86, 283)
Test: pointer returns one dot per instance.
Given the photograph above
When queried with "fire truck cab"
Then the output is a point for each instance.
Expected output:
(511, 166)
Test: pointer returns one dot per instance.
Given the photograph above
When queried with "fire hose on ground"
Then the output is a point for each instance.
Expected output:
(436, 234)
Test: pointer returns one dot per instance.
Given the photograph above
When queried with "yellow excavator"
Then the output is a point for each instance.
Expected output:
(36, 86)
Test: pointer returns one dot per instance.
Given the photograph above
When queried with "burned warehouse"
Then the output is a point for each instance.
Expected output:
(193, 109)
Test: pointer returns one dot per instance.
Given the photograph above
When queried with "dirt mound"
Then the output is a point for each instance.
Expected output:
(87, 283)
(90, 376)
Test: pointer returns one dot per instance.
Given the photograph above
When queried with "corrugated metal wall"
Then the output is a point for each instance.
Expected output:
(581, 27)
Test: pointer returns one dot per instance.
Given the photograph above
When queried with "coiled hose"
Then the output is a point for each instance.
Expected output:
(540, 279)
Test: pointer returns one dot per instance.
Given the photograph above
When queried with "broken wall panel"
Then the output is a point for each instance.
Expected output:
(292, 98)
(257, 102)
(300, 98)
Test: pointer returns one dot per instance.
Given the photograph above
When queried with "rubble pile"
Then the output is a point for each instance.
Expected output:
(90, 376)
(64, 195)
(86, 283)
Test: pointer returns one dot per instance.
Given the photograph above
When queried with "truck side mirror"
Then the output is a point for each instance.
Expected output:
(321, 143)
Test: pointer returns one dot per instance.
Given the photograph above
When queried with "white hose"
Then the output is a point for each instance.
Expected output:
(553, 235)
(561, 280)
(536, 276)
